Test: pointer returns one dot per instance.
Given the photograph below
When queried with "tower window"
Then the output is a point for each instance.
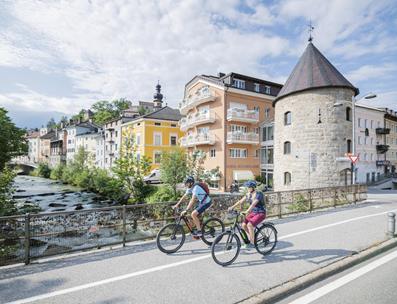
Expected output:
(348, 114)
(287, 147)
(287, 118)
(287, 178)
(349, 146)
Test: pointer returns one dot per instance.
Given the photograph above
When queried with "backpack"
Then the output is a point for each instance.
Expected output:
(203, 186)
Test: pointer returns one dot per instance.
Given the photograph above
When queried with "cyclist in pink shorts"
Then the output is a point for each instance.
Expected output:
(256, 212)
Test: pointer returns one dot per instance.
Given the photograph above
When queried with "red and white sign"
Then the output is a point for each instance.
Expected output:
(353, 158)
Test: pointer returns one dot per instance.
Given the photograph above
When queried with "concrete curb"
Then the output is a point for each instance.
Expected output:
(294, 285)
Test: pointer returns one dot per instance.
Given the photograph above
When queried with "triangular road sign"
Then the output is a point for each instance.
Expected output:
(354, 158)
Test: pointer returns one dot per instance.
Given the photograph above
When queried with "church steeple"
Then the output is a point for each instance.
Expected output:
(158, 97)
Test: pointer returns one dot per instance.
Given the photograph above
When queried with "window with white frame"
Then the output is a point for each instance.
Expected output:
(256, 153)
(365, 123)
(256, 109)
(287, 118)
(238, 128)
(157, 139)
(157, 157)
(359, 140)
(359, 122)
(267, 133)
(267, 113)
(138, 139)
(212, 153)
(213, 184)
(372, 124)
(238, 153)
(256, 87)
(238, 83)
(287, 178)
(267, 90)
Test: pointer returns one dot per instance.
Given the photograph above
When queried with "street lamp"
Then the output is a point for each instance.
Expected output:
(354, 101)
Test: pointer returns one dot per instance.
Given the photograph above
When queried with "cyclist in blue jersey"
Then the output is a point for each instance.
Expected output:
(199, 193)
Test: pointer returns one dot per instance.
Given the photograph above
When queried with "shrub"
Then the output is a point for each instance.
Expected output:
(162, 194)
(82, 178)
(57, 172)
(43, 170)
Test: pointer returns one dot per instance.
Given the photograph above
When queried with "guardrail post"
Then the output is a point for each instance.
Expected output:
(27, 238)
(354, 194)
(279, 204)
(335, 196)
(124, 226)
(391, 224)
(310, 201)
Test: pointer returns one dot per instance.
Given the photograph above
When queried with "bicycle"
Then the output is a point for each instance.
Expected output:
(172, 236)
(226, 247)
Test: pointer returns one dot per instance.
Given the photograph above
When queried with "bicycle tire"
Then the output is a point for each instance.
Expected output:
(265, 239)
(170, 230)
(216, 244)
(209, 230)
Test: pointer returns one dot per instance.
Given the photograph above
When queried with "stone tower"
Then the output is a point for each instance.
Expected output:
(158, 98)
(313, 125)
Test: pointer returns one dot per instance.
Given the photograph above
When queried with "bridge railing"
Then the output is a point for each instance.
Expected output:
(32, 236)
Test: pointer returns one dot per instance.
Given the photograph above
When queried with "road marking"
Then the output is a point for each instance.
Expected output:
(322, 291)
(159, 268)
(334, 224)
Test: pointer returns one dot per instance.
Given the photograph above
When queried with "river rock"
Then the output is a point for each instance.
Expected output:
(56, 205)
(79, 207)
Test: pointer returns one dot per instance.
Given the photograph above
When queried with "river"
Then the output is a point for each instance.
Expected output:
(51, 196)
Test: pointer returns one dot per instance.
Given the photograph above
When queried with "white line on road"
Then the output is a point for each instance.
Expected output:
(334, 224)
(322, 291)
(159, 268)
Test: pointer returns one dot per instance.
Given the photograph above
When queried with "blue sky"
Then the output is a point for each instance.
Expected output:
(57, 57)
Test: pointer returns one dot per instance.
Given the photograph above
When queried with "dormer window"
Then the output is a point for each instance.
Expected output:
(256, 87)
(267, 90)
(240, 84)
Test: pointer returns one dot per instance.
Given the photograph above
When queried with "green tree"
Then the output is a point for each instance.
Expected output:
(173, 168)
(142, 110)
(131, 169)
(12, 139)
(195, 165)
(7, 204)
(105, 110)
(51, 124)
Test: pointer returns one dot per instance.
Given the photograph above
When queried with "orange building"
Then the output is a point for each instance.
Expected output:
(223, 116)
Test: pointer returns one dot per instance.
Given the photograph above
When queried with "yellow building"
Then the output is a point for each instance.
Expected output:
(154, 133)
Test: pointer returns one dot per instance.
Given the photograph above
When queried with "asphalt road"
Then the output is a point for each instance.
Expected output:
(371, 282)
(142, 274)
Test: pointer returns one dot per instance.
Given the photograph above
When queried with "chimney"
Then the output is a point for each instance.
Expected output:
(220, 75)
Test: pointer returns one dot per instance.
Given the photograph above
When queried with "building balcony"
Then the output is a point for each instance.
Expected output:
(235, 114)
(382, 131)
(196, 119)
(242, 138)
(197, 139)
(381, 149)
(202, 95)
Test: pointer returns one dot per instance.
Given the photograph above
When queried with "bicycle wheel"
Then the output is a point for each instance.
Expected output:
(226, 248)
(211, 229)
(265, 239)
(170, 238)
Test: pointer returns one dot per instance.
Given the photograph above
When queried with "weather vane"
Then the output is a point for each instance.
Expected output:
(311, 28)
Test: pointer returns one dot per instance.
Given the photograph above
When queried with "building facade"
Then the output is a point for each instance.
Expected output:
(313, 126)
(154, 133)
(391, 141)
(45, 145)
(34, 146)
(73, 131)
(223, 119)
(58, 148)
(370, 133)
(88, 141)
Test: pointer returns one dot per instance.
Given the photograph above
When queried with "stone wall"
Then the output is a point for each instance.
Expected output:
(326, 140)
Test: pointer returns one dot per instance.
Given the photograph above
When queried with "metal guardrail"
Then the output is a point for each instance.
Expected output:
(23, 238)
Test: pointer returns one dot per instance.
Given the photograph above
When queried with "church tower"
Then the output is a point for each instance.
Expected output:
(313, 125)
(158, 98)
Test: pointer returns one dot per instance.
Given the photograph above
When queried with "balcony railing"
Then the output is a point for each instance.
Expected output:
(235, 114)
(242, 138)
(197, 119)
(381, 149)
(382, 131)
(202, 95)
(197, 139)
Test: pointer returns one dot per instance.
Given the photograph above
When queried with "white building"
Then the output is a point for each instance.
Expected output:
(34, 146)
(88, 141)
(100, 150)
(370, 133)
(72, 132)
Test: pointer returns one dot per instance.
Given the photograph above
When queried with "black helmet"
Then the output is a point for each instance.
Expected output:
(189, 179)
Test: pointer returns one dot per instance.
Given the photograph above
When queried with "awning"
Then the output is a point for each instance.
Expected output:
(243, 175)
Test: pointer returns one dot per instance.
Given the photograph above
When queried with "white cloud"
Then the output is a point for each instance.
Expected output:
(366, 72)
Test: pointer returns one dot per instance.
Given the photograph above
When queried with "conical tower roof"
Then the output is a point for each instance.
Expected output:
(313, 71)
